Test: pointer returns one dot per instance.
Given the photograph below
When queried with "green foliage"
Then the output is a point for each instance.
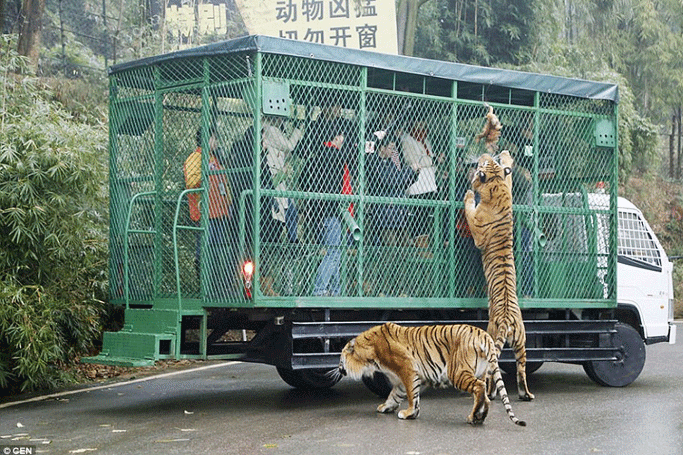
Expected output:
(53, 235)
(40, 334)
(678, 290)
(485, 33)
(86, 101)
(635, 43)
(645, 142)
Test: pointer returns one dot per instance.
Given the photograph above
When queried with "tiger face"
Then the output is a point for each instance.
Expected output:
(493, 183)
(358, 359)
(489, 174)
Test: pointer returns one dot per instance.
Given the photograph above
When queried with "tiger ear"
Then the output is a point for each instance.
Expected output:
(482, 176)
(352, 343)
(507, 171)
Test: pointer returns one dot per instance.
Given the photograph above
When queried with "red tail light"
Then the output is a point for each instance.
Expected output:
(248, 273)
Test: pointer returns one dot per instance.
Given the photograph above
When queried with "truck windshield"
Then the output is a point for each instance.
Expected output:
(635, 240)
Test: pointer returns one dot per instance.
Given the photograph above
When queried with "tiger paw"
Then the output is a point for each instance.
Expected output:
(475, 420)
(527, 396)
(505, 159)
(469, 197)
(408, 414)
(386, 409)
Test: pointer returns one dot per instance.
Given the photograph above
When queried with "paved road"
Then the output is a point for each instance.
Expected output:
(246, 409)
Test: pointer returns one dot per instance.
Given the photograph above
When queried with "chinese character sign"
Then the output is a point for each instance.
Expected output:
(358, 24)
(206, 17)
(211, 19)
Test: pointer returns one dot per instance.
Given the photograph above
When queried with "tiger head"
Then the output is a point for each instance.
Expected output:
(358, 358)
(490, 174)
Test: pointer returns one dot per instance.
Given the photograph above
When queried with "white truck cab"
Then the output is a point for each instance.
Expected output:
(644, 275)
(644, 284)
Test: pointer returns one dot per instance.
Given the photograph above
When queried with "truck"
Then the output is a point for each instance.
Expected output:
(284, 280)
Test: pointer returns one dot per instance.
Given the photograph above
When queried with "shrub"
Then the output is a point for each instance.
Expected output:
(53, 235)
(40, 335)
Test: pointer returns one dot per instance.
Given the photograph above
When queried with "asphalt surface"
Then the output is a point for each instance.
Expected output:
(237, 408)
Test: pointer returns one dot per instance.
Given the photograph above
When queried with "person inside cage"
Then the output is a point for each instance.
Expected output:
(472, 280)
(220, 281)
(520, 140)
(387, 175)
(278, 147)
(418, 152)
(325, 173)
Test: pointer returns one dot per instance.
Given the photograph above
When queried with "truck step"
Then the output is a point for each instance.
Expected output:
(151, 320)
(134, 348)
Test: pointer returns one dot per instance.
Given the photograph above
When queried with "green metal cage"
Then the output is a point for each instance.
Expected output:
(347, 226)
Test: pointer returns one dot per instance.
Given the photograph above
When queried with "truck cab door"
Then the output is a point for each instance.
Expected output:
(643, 272)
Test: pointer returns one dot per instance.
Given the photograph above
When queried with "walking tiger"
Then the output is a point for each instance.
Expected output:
(463, 356)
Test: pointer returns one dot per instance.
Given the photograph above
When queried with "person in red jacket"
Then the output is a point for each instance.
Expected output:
(221, 278)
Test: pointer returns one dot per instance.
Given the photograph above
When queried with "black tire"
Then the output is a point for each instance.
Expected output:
(511, 367)
(378, 384)
(309, 379)
(624, 370)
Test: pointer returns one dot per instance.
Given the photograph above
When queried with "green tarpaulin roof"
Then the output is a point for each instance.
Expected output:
(433, 68)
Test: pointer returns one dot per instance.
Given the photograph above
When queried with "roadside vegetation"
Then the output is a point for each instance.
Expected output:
(53, 228)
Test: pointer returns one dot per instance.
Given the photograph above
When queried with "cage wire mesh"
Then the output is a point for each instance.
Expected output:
(353, 186)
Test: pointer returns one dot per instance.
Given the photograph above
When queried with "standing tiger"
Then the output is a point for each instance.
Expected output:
(490, 222)
(460, 355)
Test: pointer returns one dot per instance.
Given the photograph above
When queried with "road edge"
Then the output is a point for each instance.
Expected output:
(114, 384)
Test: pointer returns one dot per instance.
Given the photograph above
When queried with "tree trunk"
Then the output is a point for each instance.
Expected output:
(2, 16)
(118, 30)
(680, 132)
(30, 24)
(401, 20)
(458, 17)
(406, 24)
(411, 26)
(568, 22)
(62, 38)
(672, 149)
(106, 35)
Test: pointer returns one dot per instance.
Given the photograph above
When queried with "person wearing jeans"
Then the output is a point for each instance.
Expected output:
(324, 173)
(327, 280)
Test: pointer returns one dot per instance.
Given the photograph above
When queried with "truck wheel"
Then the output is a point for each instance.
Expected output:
(378, 384)
(629, 364)
(309, 379)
